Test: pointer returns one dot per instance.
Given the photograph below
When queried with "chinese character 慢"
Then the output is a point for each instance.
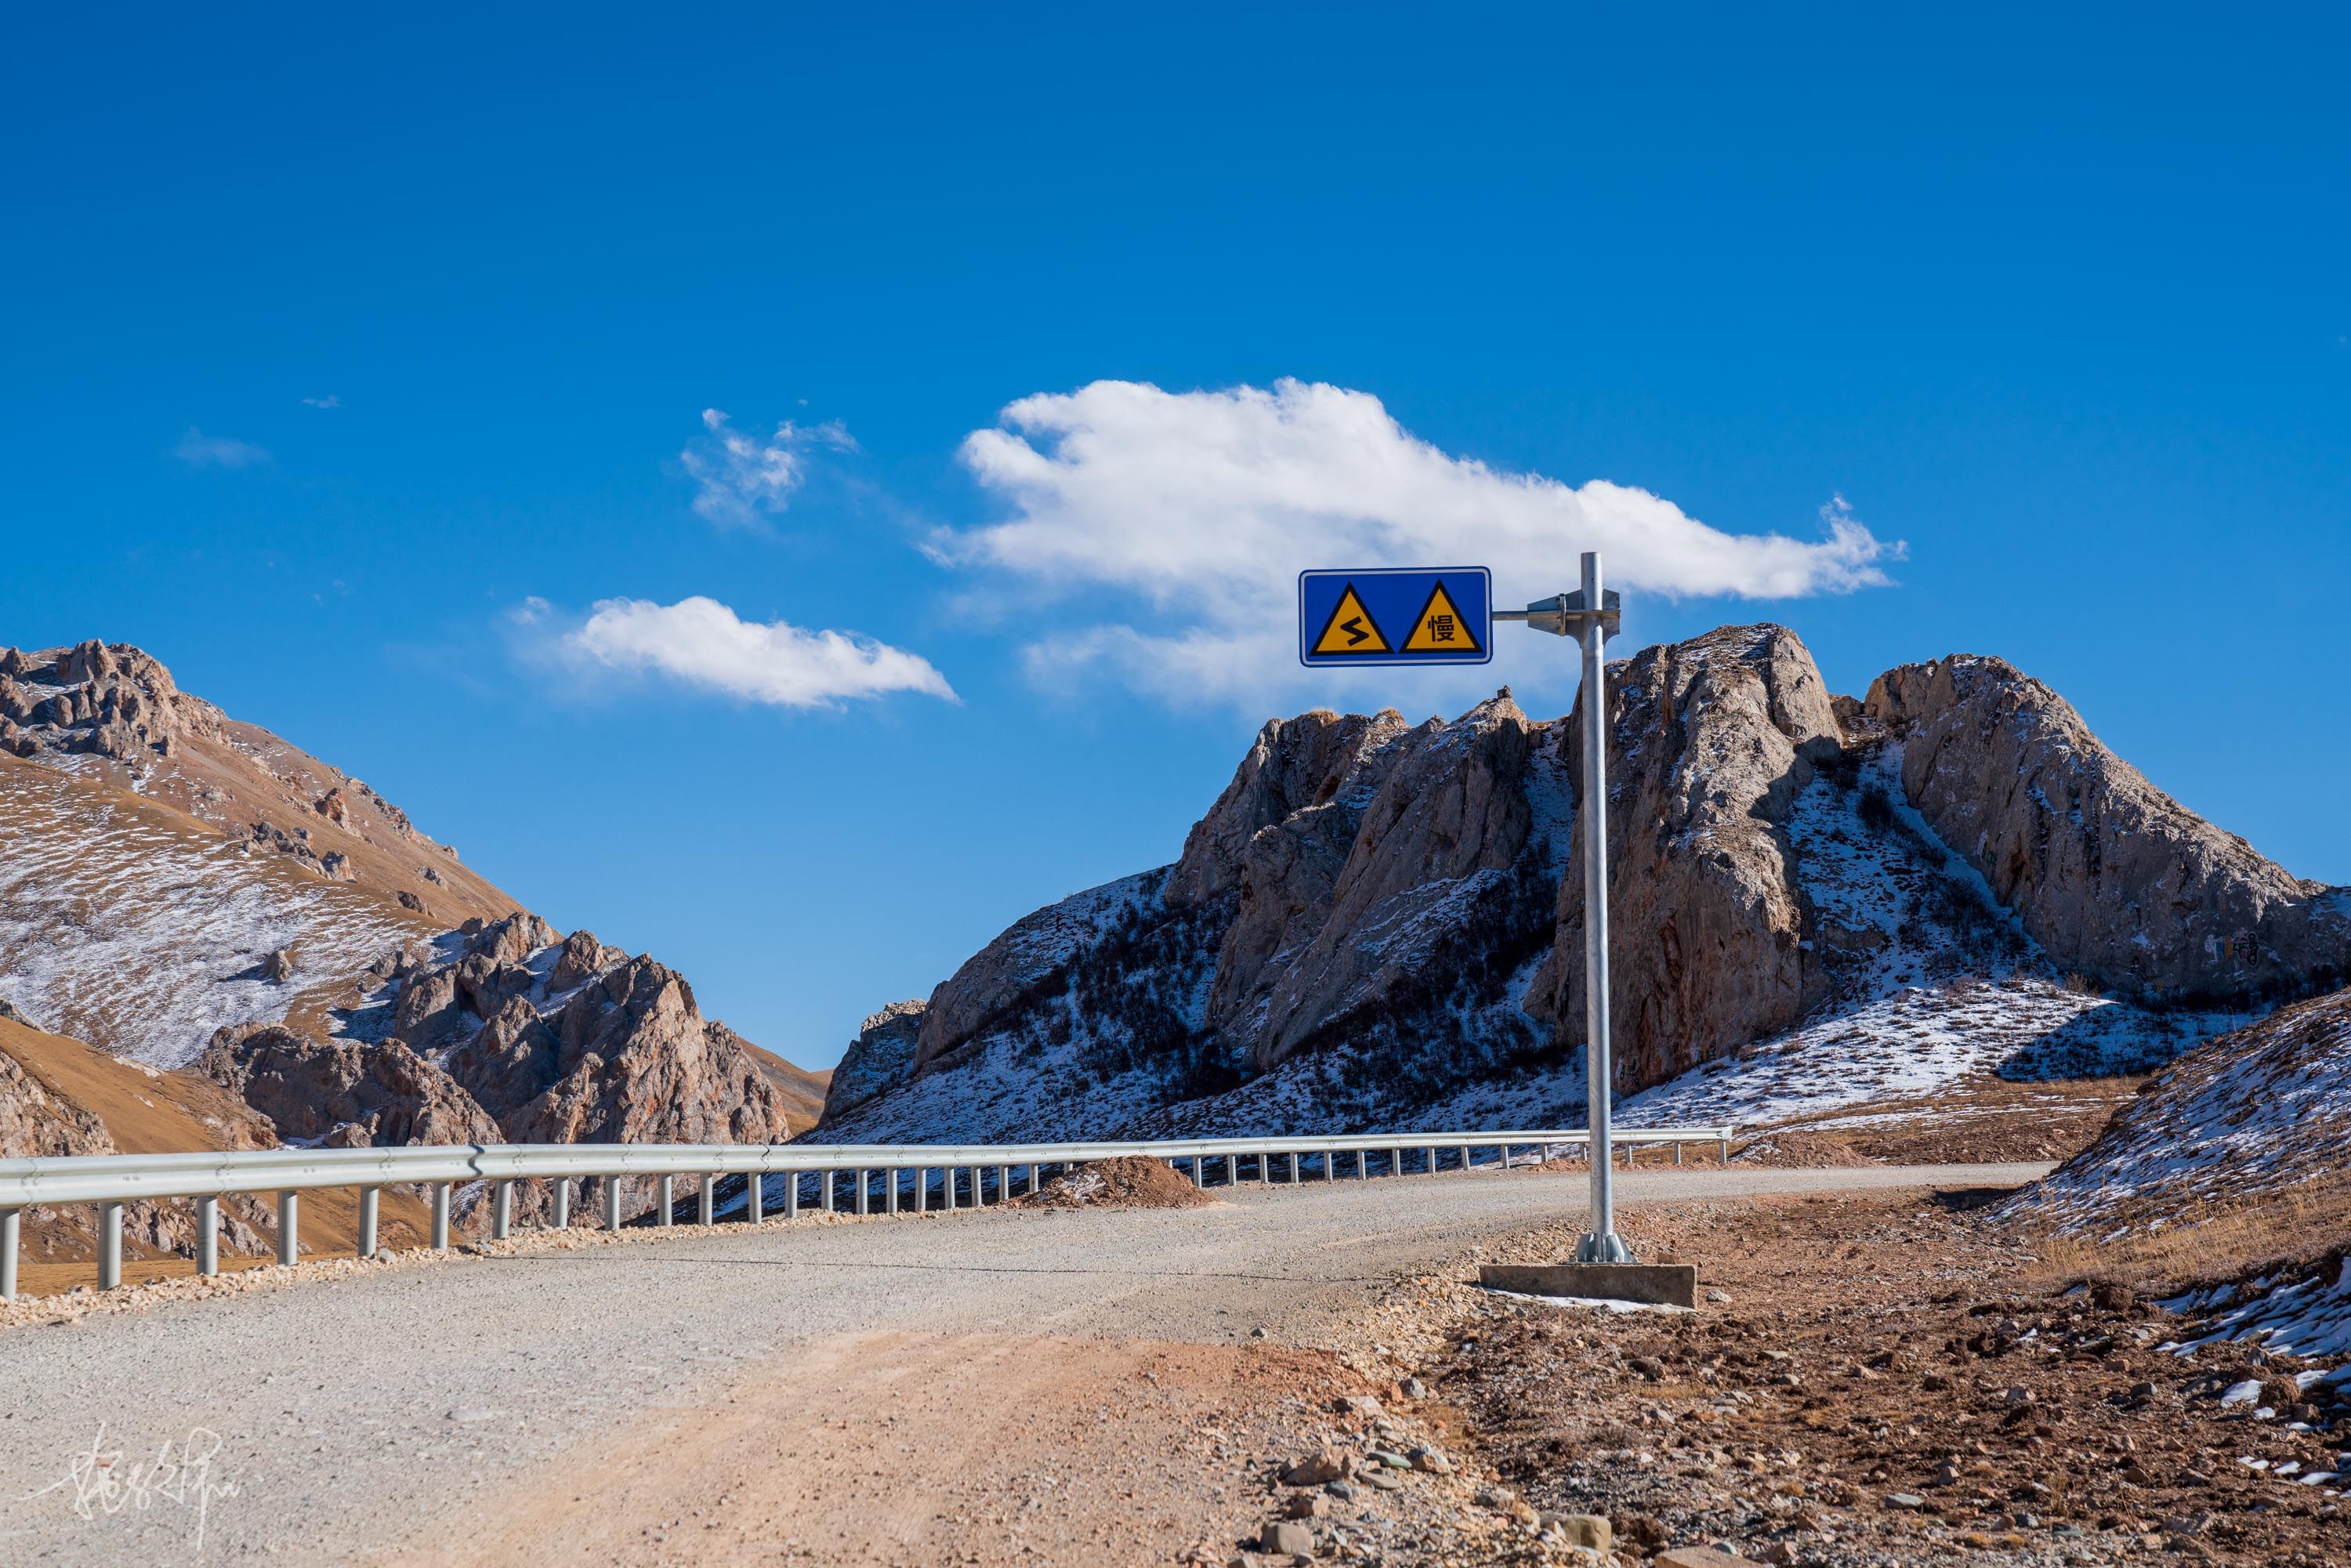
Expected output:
(1440, 628)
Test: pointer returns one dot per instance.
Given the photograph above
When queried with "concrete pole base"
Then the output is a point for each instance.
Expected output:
(1648, 1284)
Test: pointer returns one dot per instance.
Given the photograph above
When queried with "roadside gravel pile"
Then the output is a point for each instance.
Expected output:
(1132, 1182)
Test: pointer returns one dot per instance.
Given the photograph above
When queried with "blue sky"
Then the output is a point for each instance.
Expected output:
(353, 364)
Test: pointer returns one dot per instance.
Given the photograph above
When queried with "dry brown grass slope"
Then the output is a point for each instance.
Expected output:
(144, 1111)
(803, 1091)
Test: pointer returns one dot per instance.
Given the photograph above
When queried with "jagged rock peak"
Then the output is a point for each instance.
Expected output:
(1294, 764)
(511, 940)
(2110, 874)
(1446, 836)
(309, 1088)
(115, 700)
(882, 1055)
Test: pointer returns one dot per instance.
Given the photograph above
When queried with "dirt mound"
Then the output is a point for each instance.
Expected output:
(1801, 1152)
(1131, 1182)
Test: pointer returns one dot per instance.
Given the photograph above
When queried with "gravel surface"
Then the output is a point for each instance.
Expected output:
(371, 1416)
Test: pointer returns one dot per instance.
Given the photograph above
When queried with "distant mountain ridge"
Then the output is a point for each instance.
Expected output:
(189, 893)
(1378, 921)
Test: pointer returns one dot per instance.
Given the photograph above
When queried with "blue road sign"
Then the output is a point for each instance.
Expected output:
(1386, 615)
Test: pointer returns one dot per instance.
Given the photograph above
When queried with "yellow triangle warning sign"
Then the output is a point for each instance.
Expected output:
(1350, 629)
(1440, 628)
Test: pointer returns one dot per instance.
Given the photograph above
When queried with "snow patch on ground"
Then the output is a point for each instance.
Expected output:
(143, 935)
(2309, 1317)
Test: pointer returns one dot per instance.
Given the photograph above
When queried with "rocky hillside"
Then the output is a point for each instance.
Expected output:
(166, 871)
(186, 892)
(59, 1096)
(2233, 1168)
(2251, 1115)
(1814, 901)
(510, 1033)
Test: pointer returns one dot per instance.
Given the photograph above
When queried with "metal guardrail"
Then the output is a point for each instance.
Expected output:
(109, 1181)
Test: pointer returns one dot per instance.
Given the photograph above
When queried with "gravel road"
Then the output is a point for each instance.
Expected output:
(372, 1419)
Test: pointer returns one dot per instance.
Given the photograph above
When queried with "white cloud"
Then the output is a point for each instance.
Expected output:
(742, 478)
(704, 644)
(329, 401)
(1202, 507)
(201, 451)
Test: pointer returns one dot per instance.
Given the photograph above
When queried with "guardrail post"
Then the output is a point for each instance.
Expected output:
(668, 1199)
(950, 1174)
(1726, 1150)
(824, 1181)
(707, 1211)
(289, 1227)
(755, 1197)
(562, 1203)
(890, 1190)
(611, 1203)
(1232, 1170)
(1290, 1160)
(864, 1180)
(11, 1229)
(921, 1188)
(440, 1216)
(1678, 1151)
(792, 1198)
(207, 1236)
(1004, 1184)
(367, 1221)
(110, 1245)
(502, 1217)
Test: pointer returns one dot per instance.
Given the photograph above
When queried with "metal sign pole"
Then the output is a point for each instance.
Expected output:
(1592, 615)
(1436, 615)
(1602, 1244)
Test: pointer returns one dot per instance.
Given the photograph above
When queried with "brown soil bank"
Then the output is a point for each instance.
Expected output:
(1132, 1182)
(1893, 1379)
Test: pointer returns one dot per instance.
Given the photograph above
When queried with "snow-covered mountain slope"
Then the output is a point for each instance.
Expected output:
(1376, 926)
(2251, 1115)
(125, 923)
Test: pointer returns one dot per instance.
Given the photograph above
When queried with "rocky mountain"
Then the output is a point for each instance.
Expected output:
(1814, 899)
(253, 927)
(509, 1033)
